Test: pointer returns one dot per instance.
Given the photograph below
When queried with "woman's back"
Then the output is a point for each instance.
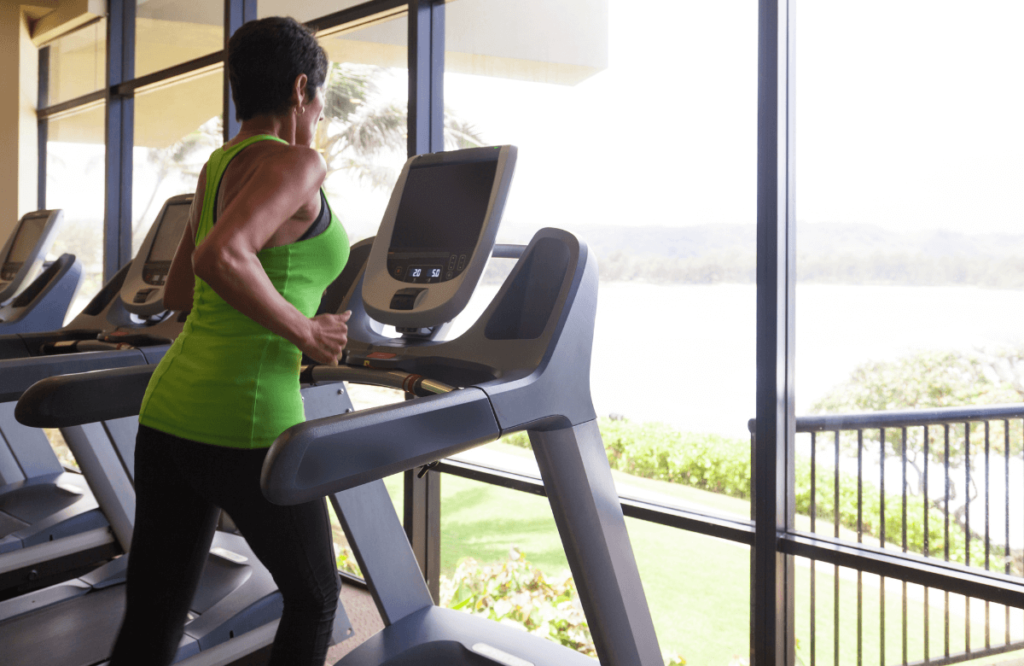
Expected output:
(228, 380)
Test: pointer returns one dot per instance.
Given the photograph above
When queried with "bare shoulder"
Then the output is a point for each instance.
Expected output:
(297, 161)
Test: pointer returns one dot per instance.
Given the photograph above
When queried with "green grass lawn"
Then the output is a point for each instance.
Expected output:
(697, 586)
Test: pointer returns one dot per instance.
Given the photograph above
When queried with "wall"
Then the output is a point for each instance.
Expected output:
(19, 73)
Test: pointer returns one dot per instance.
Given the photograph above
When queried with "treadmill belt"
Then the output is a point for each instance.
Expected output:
(79, 632)
(32, 504)
(10, 524)
(440, 652)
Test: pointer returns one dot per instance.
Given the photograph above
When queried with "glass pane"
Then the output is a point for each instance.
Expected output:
(78, 63)
(844, 616)
(75, 158)
(363, 137)
(303, 11)
(640, 137)
(170, 32)
(176, 129)
(910, 295)
(484, 527)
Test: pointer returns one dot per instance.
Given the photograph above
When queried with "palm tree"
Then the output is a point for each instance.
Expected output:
(184, 157)
(358, 127)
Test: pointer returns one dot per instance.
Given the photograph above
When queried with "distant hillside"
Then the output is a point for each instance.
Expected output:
(826, 253)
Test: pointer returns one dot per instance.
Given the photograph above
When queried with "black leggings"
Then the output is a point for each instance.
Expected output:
(180, 487)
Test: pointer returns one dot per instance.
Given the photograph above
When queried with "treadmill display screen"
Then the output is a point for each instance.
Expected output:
(439, 219)
(28, 235)
(167, 236)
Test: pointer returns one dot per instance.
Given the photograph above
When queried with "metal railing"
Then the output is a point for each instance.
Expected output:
(954, 471)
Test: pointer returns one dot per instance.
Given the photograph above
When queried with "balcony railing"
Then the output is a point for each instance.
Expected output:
(926, 506)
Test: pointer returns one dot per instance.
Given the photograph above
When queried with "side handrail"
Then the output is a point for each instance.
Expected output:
(86, 397)
(903, 417)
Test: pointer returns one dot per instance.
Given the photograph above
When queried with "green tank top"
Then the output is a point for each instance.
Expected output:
(227, 380)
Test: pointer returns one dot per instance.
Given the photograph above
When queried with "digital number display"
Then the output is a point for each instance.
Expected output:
(424, 274)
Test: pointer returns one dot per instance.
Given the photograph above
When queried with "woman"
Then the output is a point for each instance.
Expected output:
(260, 248)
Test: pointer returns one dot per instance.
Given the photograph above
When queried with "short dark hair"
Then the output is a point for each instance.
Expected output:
(264, 58)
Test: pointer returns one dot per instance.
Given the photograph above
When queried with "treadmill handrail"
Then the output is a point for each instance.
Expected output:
(396, 379)
(86, 397)
(328, 455)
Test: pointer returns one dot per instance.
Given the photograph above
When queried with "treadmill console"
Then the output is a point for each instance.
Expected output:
(143, 289)
(436, 235)
(25, 250)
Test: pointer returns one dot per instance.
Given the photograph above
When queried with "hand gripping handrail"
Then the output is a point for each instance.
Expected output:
(396, 379)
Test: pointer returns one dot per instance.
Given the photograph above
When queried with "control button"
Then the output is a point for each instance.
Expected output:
(398, 271)
(462, 262)
(451, 262)
(405, 299)
(141, 295)
(449, 275)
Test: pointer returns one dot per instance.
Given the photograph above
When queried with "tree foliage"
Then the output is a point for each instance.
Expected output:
(924, 380)
(933, 379)
(359, 126)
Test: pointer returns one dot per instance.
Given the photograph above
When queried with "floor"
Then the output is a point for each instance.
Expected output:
(363, 615)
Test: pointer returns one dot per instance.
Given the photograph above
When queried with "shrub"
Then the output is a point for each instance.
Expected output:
(346, 560)
(657, 451)
(722, 465)
(871, 511)
(515, 593)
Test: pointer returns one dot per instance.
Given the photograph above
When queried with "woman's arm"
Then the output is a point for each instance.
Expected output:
(285, 179)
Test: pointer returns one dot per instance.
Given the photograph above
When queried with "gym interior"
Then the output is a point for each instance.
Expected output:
(817, 440)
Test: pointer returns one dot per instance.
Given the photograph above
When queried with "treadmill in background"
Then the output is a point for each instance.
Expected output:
(51, 526)
(127, 312)
(236, 610)
(35, 296)
(25, 251)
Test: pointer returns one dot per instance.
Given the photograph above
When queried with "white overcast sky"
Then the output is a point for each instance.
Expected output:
(910, 115)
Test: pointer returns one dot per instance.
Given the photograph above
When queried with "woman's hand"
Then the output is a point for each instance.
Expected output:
(328, 335)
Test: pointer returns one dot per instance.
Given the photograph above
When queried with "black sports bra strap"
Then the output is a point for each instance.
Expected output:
(323, 220)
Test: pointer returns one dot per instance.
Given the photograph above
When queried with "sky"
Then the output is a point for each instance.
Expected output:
(908, 116)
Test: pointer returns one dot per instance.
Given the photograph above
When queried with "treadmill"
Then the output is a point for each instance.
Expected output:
(34, 295)
(51, 525)
(524, 365)
(234, 615)
(127, 312)
(235, 611)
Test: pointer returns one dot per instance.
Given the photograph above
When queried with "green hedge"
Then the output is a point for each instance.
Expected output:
(871, 511)
(722, 465)
(657, 451)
